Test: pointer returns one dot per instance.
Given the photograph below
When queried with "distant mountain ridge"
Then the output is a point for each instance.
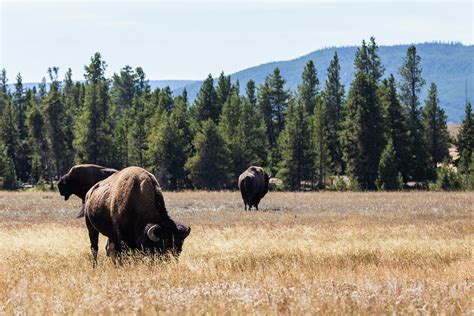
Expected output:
(448, 65)
(173, 84)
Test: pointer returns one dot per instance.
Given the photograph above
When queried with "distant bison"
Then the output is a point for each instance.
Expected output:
(253, 185)
(129, 207)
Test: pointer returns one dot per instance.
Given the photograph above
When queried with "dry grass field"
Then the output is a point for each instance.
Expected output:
(303, 253)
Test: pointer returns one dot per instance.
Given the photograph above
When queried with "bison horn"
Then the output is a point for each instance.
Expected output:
(151, 233)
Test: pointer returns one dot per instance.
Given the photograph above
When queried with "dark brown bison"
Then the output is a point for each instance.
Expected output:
(128, 207)
(81, 178)
(253, 185)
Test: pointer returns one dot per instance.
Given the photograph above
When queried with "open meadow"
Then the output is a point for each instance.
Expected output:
(302, 253)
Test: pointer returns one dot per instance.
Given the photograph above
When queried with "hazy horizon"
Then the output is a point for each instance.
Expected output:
(190, 39)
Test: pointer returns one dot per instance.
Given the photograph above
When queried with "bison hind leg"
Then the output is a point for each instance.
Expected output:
(94, 240)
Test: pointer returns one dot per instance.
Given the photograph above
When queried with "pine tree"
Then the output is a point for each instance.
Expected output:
(278, 100)
(9, 175)
(72, 100)
(141, 82)
(20, 105)
(389, 177)
(251, 135)
(137, 135)
(207, 168)
(57, 127)
(9, 135)
(410, 87)
(309, 87)
(470, 174)
(38, 143)
(265, 106)
(3, 102)
(42, 89)
(376, 69)
(206, 106)
(395, 125)
(465, 140)
(22, 160)
(124, 88)
(332, 101)
(295, 147)
(71, 95)
(362, 135)
(361, 61)
(165, 102)
(273, 102)
(320, 143)
(4, 93)
(3, 81)
(435, 128)
(228, 127)
(170, 147)
(363, 132)
(121, 139)
(93, 139)
(223, 91)
(250, 91)
(94, 72)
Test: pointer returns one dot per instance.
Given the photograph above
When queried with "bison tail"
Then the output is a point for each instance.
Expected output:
(81, 212)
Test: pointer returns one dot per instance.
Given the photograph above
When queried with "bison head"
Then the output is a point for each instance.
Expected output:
(66, 187)
(166, 237)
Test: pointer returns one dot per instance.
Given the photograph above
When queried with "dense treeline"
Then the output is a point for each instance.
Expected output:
(377, 135)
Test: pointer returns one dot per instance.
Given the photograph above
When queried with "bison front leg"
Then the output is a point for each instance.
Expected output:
(94, 240)
(114, 248)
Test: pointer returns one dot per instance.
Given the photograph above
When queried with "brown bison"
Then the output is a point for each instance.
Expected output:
(253, 185)
(129, 207)
(81, 178)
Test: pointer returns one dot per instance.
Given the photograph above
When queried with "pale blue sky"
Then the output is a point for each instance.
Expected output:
(189, 39)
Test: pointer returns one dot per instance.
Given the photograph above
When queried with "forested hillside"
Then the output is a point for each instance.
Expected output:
(375, 133)
(449, 65)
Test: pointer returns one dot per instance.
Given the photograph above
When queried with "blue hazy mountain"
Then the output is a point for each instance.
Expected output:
(173, 84)
(450, 66)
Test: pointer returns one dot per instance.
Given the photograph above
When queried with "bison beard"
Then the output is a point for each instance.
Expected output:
(129, 207)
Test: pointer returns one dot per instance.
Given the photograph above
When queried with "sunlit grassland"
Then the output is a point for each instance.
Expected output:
(303, 253)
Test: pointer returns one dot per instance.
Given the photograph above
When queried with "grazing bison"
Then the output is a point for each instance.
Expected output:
(253, 185)
(129, 207)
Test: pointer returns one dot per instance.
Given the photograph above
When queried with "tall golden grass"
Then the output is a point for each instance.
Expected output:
(303, 253)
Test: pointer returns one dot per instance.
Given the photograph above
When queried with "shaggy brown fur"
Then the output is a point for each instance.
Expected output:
(125, 207)
(253, 185)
